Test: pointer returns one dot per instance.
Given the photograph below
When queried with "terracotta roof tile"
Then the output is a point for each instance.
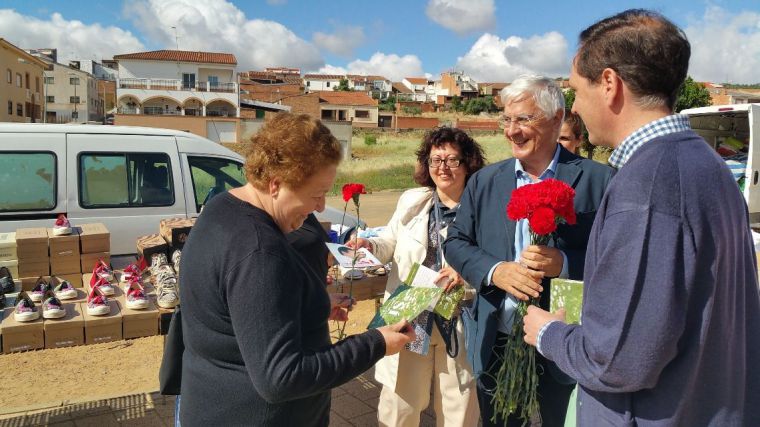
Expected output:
(400, 87)
(347, 98)
(417, 80)
(182, 56)
(322, 77)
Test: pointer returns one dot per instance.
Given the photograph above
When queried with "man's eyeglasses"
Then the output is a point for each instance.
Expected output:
(523, 121)
(451, 162)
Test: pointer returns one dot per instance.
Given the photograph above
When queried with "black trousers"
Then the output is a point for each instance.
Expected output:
(553, 396)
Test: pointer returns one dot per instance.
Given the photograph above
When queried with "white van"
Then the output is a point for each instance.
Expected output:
(734, 132)
(128, 178)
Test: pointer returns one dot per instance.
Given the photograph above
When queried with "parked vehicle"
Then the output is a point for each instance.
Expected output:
(127, 178)
(734, 132)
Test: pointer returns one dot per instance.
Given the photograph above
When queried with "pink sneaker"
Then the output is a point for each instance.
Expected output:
(62, 226)
(104, 285)
(101, 271)
(136, 299)
(130, 273)
(97, 303)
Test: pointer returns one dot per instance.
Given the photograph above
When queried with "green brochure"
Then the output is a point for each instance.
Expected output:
(406, 302)
(568, 294)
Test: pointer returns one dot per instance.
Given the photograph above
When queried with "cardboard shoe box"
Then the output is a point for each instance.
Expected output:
(151, 244)
(176, 230)
(94, 238)
(34, 268)
(139, 323)
(27, 283)
(21, 336)
(64, 252)
(88, 260)
(67, 331)
(8, 247)
(32, 243)
(98, 329)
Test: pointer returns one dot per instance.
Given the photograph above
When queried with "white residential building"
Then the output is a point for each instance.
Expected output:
(319, 82)
(174, 82)
(71, 95)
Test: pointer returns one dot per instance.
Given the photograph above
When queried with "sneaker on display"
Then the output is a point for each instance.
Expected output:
(7, 286)
(25, 310)
(62, 226)
(136, 298)
(52, 307)
(63, 288)
(40, 289)
(105, 286)
(101, 271)
(130, 273)
(167, 291)
(176, 255)
(156, 261)
(97, 303)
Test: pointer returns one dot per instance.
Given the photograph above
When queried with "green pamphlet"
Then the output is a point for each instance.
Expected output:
(568, 294)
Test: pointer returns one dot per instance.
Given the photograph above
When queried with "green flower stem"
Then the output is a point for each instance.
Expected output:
(342, 334)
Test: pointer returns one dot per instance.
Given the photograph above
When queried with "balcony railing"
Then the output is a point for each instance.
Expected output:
(169, 84)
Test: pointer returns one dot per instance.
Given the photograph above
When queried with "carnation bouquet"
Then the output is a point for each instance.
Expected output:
(544, 205)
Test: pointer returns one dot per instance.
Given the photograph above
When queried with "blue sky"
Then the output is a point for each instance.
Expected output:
(491, 40)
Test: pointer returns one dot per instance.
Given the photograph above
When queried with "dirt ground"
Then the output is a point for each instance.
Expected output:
(53, 377)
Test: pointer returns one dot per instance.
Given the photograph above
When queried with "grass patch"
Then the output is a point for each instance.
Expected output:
(390, 178)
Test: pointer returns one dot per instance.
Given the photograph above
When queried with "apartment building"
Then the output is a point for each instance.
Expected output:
(22, 88)
(72, 95)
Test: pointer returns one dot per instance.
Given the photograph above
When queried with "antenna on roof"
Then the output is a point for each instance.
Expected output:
(176, 38)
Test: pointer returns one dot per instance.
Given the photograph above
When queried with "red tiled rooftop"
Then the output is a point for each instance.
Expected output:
(417, 80)
(346, 98)
(401, 88)
(182, 56)
(322, 77)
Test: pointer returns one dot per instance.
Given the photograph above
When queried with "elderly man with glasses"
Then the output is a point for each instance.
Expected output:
(494, 254)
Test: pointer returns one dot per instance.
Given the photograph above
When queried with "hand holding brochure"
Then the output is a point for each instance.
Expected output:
(567, 294)
(345, 257)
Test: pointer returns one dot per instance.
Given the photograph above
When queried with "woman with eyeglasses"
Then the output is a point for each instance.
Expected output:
(446, 158)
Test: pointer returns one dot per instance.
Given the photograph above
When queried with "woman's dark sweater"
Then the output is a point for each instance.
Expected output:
(254, 320)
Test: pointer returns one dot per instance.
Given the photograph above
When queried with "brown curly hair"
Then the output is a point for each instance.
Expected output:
(472, 154)
(291, 147)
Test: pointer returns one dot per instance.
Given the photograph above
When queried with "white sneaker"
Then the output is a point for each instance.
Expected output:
(168, 293)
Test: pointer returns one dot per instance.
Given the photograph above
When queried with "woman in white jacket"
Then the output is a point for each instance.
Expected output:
(415, 234)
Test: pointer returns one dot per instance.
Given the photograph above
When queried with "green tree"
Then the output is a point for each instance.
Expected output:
(569, 98)
(413, 110)
(343, 86)
(692, 95)
(456, 103)
(388, 104)
(476, 106)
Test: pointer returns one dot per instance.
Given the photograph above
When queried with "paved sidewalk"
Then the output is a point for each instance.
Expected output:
(353, 404)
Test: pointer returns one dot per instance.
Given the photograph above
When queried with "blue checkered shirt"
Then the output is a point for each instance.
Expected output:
(660, 127)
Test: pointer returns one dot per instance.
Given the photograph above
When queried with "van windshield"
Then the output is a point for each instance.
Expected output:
(212, 176)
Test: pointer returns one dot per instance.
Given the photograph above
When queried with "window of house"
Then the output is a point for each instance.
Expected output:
(188, 80)
(34, 174)
(18, 79)
(74, 99)
(125, 180)
(37, 84)
(49, 80)
(362, 114)
(74, 81)
(212, 176)
(213, 81)
(328, 114)
(10, 108)
(26, 75)
(8, 76)
(20, 110)
(50, 99)
(308, 84)
(328, 84)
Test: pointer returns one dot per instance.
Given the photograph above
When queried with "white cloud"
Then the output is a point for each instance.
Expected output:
(725, 47)
(462, 16)
(73, 39)
(492, 59)
(276, 2)
(219, 26)
(342, 42)
(390, 66)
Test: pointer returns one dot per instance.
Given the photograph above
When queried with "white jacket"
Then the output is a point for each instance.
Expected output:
(404, 241)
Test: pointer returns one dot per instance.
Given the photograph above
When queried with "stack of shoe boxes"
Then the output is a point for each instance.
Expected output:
(98, 329)
(151, 244)
(21, 336)
(8, 253)
(176, 230)
(33, 258)
(64, 256)
(95, 244)
(68, 330)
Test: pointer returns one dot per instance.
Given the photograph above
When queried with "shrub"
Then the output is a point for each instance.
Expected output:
(370, 139)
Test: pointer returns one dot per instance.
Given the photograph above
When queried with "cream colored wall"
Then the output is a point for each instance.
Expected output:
(9, 59)
(192, 124)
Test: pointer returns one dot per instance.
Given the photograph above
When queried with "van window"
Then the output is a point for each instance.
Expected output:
(212, 176)
(32, 176)
(125, 180)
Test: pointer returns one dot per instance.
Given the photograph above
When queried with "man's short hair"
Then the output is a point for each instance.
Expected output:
(648, 52)
(545, 92)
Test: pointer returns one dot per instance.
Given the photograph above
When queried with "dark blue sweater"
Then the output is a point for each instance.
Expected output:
(671, 311)
(254, 320)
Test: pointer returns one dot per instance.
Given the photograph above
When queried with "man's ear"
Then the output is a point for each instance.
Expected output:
(611, 85)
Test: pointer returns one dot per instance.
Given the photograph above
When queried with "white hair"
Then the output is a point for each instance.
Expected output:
(545, 92)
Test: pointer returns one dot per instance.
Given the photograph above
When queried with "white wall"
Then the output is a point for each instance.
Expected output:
(138, 69)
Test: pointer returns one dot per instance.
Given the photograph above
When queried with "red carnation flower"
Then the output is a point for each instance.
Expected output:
(542, 221)
(352, 191)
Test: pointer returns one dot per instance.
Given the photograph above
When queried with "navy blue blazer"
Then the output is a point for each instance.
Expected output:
(482, 236)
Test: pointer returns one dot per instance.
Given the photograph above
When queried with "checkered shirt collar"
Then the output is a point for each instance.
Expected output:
(660, 127)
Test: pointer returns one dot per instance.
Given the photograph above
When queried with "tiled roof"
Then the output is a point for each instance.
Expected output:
(417, 80)
(400, 87)
(322, 77)
(347, 98)
(364, 78)
(182, 56)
